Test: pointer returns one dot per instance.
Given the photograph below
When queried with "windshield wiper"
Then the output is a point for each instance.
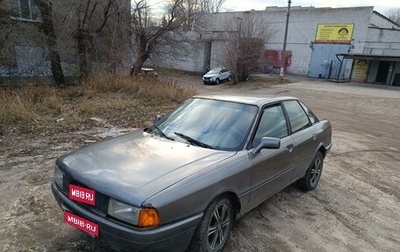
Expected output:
(193, 141)
(161, 133)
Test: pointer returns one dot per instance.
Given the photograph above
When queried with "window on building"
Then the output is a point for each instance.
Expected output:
(24, 9)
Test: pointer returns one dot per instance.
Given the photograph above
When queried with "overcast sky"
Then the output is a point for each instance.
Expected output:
(379, 5)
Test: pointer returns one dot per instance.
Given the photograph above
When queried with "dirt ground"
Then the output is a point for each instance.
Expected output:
(356, 206)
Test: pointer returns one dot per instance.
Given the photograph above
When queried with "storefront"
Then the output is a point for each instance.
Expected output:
(376, 69)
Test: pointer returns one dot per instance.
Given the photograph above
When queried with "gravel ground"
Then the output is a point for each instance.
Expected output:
(356, 206)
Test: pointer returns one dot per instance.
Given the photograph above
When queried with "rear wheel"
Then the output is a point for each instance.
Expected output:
(313, 174)
(214, 230)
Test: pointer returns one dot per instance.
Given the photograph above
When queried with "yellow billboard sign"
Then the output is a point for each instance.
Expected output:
(334, 33)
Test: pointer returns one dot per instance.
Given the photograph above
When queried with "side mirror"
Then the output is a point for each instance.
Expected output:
(157, 118)
(267, 143)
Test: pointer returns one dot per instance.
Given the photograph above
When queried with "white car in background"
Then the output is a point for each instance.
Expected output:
(217, 75)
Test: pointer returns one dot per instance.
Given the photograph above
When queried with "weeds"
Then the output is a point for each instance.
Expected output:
(26, 103)
(106, 96)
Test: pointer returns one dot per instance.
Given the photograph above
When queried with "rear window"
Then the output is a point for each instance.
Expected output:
(297, 117)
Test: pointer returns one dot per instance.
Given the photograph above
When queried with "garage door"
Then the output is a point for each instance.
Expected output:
(323, 63)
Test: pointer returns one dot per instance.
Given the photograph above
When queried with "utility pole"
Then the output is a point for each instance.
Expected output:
(283, 55)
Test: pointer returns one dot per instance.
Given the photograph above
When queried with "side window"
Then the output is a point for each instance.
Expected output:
(310, 114)
(272, 124)
(297, 117)
(24, 9)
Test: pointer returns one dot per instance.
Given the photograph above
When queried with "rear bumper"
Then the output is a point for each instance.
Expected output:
(172, 237)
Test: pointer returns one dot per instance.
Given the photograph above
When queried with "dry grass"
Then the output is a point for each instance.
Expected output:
(131, 100)
(26, 103)
(144, 87)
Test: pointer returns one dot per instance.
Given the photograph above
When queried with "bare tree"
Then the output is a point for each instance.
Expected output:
(147, 34)
(246, 36)
(211, 6)
(6, 26)
(47, 27)
(394, 15)
(191, 10)
(83, 31)
(14, 29)
(92, 17)
(155, 38)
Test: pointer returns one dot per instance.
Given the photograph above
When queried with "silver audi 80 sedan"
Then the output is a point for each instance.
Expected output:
(180, 184)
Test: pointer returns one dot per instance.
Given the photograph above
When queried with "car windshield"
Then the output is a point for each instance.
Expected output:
(208, 123)
(214, 71)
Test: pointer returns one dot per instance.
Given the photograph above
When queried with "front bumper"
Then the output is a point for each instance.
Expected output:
(209, 81)
(171, 237)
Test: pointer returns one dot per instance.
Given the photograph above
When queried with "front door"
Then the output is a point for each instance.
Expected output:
(271, 168)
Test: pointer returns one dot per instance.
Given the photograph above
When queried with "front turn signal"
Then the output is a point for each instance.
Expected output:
(148, 217)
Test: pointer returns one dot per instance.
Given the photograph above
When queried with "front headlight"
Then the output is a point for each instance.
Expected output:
(142, 217)
(58, 177)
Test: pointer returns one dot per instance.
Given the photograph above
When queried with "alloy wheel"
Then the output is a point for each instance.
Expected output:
(219, 227)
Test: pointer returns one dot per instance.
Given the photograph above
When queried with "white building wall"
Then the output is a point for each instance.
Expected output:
(384, 42)
(302, 29)
(187, 55)
(381, 21)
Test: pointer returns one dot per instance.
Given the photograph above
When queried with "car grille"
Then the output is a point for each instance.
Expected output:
(207, 78)
(101, 199)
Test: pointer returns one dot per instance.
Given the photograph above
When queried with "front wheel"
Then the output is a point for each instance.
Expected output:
(313, 174)
(214, 230)
(217, 81)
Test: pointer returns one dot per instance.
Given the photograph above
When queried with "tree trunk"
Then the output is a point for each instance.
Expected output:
(81, 40)
(47, 27)
(143, 53)
(137, 66)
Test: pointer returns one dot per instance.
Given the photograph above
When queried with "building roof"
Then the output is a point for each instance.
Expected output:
(361, 56)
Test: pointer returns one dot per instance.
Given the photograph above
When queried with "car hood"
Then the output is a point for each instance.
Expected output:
(135, 166)
(210, 75)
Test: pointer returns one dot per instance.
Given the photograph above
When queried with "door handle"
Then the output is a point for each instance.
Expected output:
(290, 147)
(314, 136)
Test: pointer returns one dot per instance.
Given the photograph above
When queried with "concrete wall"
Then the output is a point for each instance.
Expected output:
(218, 28)
(380, 21)
(302, 29)
(382, 42)
(23, 48)
(186, 53)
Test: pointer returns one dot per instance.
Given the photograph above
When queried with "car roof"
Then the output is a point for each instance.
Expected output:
(247, 98)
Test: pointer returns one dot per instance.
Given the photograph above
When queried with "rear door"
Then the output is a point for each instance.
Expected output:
(224, 74)
(303, 135)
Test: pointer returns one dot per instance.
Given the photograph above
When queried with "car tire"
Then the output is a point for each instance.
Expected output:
(229, 78)
(217, 81)
(310, 180)
(213, 231)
